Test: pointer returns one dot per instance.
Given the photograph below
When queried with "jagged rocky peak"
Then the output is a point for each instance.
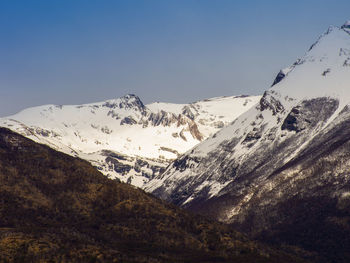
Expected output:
(186, 110)
(127, 102)
(278, 78)
(282, 74)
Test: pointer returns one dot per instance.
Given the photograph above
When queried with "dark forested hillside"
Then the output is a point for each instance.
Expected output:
(56, 208)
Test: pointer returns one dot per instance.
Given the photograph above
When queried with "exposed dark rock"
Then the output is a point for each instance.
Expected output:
(44, 132)
(115, 155)
(308, 113)
(269, 102)
(242, 96)
(182, 135)
(219, 124)
(123, 164)
(117, 166)
(141, 162)
(106, 130)
(188, 112)
(254, 135)
(128, 120)
(162, 118)
(346, 25)
(280, 76)
(347, 62)
(166, 119)
(183, 162)
(113, 115)
(170, 150)
(195, 132)
(326, 72)
(290, 123)
(129, 101)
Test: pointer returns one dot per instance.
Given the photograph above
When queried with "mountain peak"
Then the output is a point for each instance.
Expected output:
(128, 101)
(130, 96)
(325, 62)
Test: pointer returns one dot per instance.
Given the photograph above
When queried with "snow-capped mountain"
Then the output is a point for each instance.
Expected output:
(123, 137)
(282, 159)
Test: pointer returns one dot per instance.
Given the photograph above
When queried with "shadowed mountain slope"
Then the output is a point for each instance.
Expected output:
(56, 208)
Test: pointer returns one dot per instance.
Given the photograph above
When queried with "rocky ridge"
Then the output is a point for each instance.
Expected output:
(124, 138)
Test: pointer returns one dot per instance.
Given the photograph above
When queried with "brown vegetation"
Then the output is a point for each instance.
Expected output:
(56, 208)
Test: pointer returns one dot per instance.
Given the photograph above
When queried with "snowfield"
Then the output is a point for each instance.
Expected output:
(123, 137)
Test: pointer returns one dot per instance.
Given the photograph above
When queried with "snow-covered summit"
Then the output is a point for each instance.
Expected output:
(305, 100)
(127, 102)
(124, 137)
(280, 171)
(323, 65)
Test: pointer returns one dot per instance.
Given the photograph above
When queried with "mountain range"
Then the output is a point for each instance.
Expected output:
(275, 167)
(124, 138)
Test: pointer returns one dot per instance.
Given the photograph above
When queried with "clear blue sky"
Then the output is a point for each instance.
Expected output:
(72, 52)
